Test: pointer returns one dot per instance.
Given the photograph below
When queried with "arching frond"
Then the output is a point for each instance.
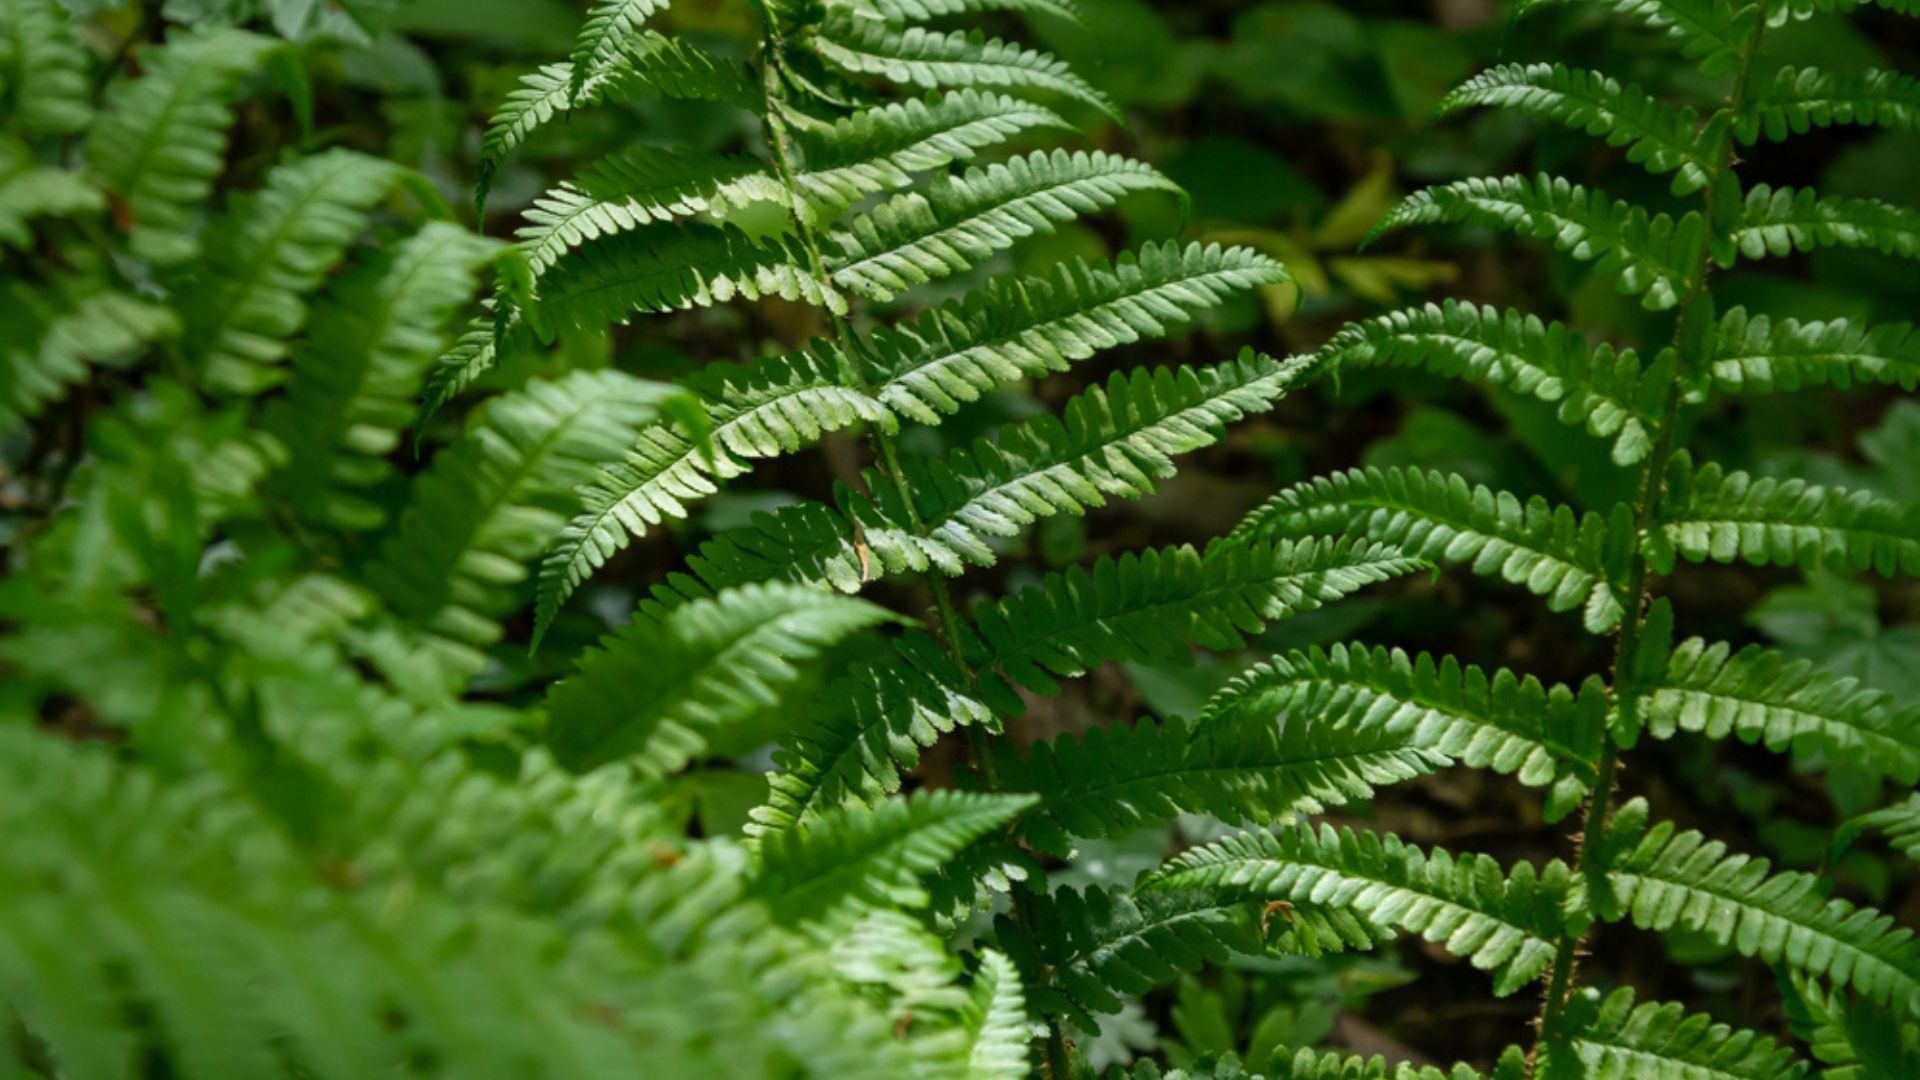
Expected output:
(1028, 327)
(672, 267)
(1653, 256)
(1252, 770)
(1852, 1039)
(650, 693)
(1506, 923)
(267, 255)
(1711, 33)
(1712, 514)
(637, 188)
(603, 37)
(1544, 736)
(1575, 561)
(903, 11)
(1157, 604)
(30, 190)
(51, 339)
(882, 147)
(1780, 12)
(43, 72)
(354, 379)
(1801, 99)
(1611, 394)
(1306, 1064)
(1658, 137)
(1755, 353)
(1901, 823)
(159, 140)
(960, 222)
(492, 502)
(997, 1021)
(1776, 222)
(1613, 1039)
(1763, 697)
(917, 57)
(859, 858)
(1663, 879)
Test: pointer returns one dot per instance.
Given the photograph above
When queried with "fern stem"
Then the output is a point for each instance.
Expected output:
(1626, 689)
(979, 750)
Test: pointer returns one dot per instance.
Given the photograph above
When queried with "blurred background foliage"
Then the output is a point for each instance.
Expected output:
(1295, 125)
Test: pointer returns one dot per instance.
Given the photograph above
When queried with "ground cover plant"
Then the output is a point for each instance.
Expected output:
(399, 682)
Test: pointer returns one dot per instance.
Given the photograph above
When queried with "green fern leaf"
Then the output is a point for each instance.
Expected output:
(603, 37)
(669, 268)
(1780, 12)
(650, 693)
(1801, 99)
(1305, 1064)
(52, 339)
(43, 71)
(1658, 137)
(1664, 879)
(1504, 923)
(1612, 1039)
(926, 58)
(1115, 780)
(1780, 222)
(492, 502)
(1852, 1039)
(1653, 256)
(1610, 393)
(160, 139)
(881, 148)
(1573, 561)
(1713, 515)
(906, 11)
(267, 254)
(1754, 353)
(997, 1021)
(29, 190)
(1027, 328)
(1155, 605)
(354, 379)
(960, 222)
(1762, 697)
(638, 188)
(1543, 736)
(861, 858)
(1710, 33)
(1901, 823)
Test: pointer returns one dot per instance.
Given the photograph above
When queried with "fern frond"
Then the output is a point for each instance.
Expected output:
(1613, 1039)
(267, 254)
(1543, 736)
(1306, 1064)
(861, 858)
(1505, 923)
(882, 147)
(1780, 12)
(1784, 221)
(43, 71)
(1853, 1040)
(1612, 394)
(1658, 137)
(1709, 32)
(1762, 697)
(1573, 561)
(669, 268)
(159, 140)
(650, 693)
(864, 730)
(637, 188)
(1253, 770)
(1156, 604)
(906, 11)
(1663, 879)
(474, 352)
(997, 1021)
(604, 36)
(1711, 514)
(29, 190)
(650, 65)
(1653, 256)
(960, 222)
(52, 339)
(1027, 328)
(917, 57)
(494, 500)
(355, 378)
(1801, 99)
(1759, 354)
(1901, 823)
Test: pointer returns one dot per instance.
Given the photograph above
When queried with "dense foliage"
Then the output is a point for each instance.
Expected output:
(397, 681)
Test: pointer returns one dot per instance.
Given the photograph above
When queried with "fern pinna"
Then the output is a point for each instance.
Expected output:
(1852, 973)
